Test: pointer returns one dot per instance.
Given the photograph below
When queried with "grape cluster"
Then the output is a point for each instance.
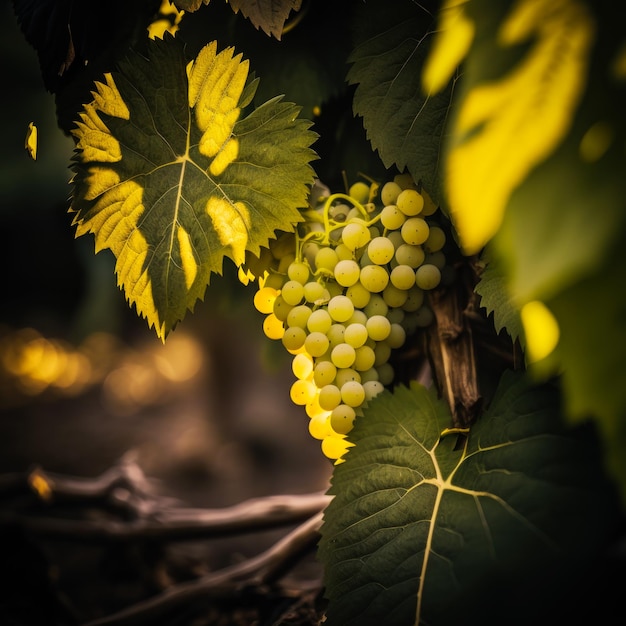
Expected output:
(344, 291)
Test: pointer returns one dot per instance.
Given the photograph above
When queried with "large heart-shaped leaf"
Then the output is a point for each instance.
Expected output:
(425, 528)
(172, 178)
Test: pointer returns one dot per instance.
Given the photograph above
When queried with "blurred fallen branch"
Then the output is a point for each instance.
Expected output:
(124, 490)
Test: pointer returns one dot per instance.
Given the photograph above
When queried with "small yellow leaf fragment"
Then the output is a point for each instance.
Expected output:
(41, 485)
(231, 223)
(452, 42)
(187, 258)
(30, 143)
(541, 330)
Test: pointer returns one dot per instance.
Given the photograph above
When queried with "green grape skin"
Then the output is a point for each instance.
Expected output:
(343, 355)
(376, 306)
(316, 344)
(415, 299)
(402, 277)
(302, 392)
(410, 202)
(397, 336)
(427, 276)
(355, 235)
(319, 427)
(315, 292)
(372, 388)
(352, 394)
(299, 271)
(346, 374)
(342, 419)
(326, 259)
(408, 254)
(319, 321)
(294, 338)
(374, 278)
(378, 327)
(391, 217)
(299, 315)
(394, 297)
(336, 334)
(355, 335)
(302, 365)
(359, 295)
(386, 374)
(347, 272)
(415, 231)
(324, 373)
(292, 292)
(369, 374)
(436, 239)
(329, 397)
(340, 308)
(264, 299)
(383, 353)
(360, 191)
(380, 250)
(389, 193)
(358, 317)
(364, 358)
(438, 259)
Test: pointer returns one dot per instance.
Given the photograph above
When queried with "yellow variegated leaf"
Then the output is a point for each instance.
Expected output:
(506, 127)
(172, 179)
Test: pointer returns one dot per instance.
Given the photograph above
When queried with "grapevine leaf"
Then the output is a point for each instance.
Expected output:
(494, 298)
(171, 177)
(403, 124)
(518, 508)
(509, 123)
(268, 15)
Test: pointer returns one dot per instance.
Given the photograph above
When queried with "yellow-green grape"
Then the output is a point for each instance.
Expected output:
(345, 375)
(358, 317)
(316, 344)
(326, 259)
(407, 254)
(390, 192)
(427, 276)
(410, 202)
(372, 388)
(299, 271)
(315, 293)
(394, 297)
(281, 309)
(397, 336)
(360, 296)
(342, 419)
(339, 211)
(324, 373)
(405, 180)
(299, 315)
(355, 235)
(285, 262)
(274, 280)
(415, 231)
(319, 426)
(360, 191)
(391, 217)
(343, 252)
(273, 327)
(364, 358)
(313, 408)
(319, 321)
(374, 278)
(347, 272)
(340, 308)
(380, 250)
(343, 355)
(436, 239)
(335, 334)
(335, 447)
(302, 365)
(329, 397)
(378, 327)
(294, 338)
(292, 292)
(382, 350)
(415, 299)
(264, 299)
(385, 373)
(352, 394)
(376, 306)
(355, 335)
(402, 277)
(395, 236)
(369, 375)
(309, 251)
(302, 392)
(396, 316)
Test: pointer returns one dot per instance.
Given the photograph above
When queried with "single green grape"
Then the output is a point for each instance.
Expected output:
(340, 308)
(380, 250)
(410, 202)
(342, 419)
(378, 327)
(427, 276)
(316, 344)
(347, 272)
(374, 278)
(360, 191)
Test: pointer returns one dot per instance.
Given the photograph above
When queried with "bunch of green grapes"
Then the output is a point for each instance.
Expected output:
(346, 290)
